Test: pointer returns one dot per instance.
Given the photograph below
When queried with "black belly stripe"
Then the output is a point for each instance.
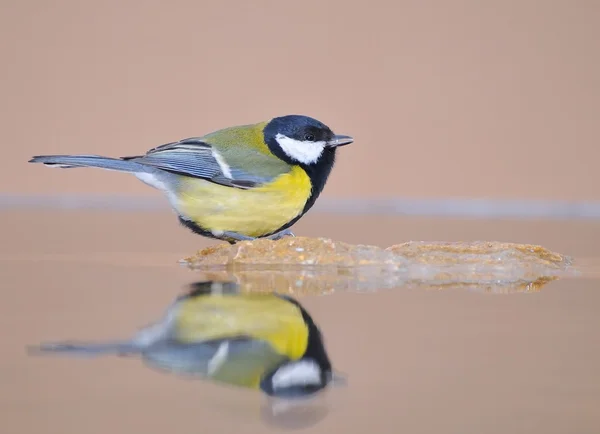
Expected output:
(197, 229)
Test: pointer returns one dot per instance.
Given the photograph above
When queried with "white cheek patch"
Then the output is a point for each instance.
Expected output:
(302, 373)
(304, 152)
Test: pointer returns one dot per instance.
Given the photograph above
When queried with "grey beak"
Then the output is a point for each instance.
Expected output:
(340, 140)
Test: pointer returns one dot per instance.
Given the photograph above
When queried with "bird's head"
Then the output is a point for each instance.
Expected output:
(298, 139)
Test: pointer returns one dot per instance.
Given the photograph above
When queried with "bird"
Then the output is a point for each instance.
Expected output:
(237, 183)
(260, 341)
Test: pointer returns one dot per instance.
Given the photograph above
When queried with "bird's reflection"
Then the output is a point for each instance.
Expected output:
(296, 414)
(263, 341)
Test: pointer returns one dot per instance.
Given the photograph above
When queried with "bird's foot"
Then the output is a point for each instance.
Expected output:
(282, 234)
(234, 237)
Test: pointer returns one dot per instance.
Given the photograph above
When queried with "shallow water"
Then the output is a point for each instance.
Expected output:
(416, 360)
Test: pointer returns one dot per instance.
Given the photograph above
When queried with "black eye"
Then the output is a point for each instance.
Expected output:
(309, 137)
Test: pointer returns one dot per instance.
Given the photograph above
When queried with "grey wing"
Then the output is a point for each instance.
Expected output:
(233, 361)
(196, 158)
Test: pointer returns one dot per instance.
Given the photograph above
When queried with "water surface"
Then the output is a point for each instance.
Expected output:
(417, 360)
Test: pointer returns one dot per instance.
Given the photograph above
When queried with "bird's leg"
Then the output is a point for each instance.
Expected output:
(281, 234)
(234, 237)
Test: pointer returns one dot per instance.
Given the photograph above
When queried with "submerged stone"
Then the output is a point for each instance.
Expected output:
(321, 265)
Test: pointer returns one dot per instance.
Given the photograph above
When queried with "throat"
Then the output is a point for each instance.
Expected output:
(318, 174)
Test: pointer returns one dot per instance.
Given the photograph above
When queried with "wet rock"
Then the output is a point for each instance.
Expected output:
(483, 261)
(478, 252)
(293, 251)
(320, 265)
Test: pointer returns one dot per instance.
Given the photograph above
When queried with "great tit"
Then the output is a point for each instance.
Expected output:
(261, 341)
(237, 183)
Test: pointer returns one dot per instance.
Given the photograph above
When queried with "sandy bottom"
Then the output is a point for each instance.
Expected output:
(417, 361)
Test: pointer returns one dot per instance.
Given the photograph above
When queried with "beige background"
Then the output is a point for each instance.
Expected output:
(450, 98)
(447, 98)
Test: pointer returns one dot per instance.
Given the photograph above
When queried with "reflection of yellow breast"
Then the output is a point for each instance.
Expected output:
(253, 212)
(259, 316)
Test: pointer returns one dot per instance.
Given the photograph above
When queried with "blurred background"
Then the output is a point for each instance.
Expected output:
(479, 108)
(446, 99)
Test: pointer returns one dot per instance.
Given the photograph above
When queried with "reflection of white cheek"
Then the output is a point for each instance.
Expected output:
(300, 373)
(303, 152)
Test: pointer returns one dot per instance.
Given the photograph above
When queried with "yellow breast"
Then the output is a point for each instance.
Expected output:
(253, 212)
(264, 317)
(260, 316)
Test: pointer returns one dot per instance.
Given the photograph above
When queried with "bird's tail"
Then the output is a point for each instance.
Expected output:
(85, 349)
(71, 161)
